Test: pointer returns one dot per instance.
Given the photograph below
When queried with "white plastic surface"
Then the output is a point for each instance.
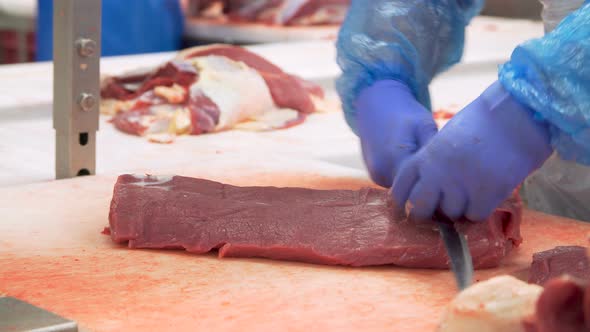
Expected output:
(250, 33)
(24, 8)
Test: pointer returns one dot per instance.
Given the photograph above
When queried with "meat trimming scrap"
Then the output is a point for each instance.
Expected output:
(562, 260)
(334, 227)
(564, 306)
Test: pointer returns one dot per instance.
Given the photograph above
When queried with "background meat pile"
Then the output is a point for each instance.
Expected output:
(275, 12)
(208, 89)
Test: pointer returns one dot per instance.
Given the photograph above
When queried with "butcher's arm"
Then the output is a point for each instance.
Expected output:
(540, 103)
(404, 40)
(389, 51)
(551, 75)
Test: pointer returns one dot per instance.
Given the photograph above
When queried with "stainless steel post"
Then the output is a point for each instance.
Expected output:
(76, 85)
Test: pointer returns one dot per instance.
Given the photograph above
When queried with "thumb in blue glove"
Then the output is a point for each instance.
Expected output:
(475, 161)
(392, 126)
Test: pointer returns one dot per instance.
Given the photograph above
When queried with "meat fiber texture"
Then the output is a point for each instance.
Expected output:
(562, 260)
(333, 227)
(564, 306)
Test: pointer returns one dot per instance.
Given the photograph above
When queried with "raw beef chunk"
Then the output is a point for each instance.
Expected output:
(570, 260)
(334, 227)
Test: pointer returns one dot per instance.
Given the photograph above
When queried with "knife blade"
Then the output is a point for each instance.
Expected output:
(457, 250)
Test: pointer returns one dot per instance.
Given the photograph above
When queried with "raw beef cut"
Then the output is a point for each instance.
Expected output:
(564, 306)
(287, 91)
(335, 227)
(275, 12)
(570, 260)
(208, 89)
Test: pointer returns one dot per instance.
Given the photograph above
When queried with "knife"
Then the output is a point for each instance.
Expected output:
(457, 250)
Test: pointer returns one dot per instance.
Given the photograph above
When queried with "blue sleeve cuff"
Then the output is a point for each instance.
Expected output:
(551, 75)
(406, 40)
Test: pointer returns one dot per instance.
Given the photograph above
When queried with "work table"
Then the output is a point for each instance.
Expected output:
(52, 252)
(54, 255)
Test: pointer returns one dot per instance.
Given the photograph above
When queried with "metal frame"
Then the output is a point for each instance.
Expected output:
(76, 85)
(16, 315)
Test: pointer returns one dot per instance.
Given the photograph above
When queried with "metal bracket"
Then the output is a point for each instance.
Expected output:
(76, 85)
(16, 315)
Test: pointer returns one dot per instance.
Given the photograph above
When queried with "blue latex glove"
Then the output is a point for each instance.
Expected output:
(404, 40)
(392, 126)
(476, 160)
(551, 75)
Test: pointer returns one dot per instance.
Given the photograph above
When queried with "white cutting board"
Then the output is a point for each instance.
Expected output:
(53, 255)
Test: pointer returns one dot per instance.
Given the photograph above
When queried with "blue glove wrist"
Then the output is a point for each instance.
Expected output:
(516, 121)
(391, 91)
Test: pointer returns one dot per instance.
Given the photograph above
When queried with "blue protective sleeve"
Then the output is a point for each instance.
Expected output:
(551, 75)
(405, 40)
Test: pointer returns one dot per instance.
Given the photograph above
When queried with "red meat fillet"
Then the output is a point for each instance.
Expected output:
(562, 260)
(334, 227)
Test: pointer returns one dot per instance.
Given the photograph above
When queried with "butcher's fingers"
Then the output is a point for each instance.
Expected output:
(453, 200)
(404, 181)
(425, 198)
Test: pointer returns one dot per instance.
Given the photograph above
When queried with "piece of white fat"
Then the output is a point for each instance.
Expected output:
(160, 119)
(181, 122)
(326, 105)
(161, 138)
(495, 305)
(239, 91)
(114, 106)
(277, 119)
(146, 180)
(214, 10)
(174, 94)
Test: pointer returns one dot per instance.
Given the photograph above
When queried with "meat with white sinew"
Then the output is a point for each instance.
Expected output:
(209, 89)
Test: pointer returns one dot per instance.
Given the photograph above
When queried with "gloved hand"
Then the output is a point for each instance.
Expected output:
(409, 41)
(392, 126)
(476, 160)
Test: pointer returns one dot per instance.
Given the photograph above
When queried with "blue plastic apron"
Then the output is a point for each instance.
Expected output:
(560, 187)
(128, 27)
